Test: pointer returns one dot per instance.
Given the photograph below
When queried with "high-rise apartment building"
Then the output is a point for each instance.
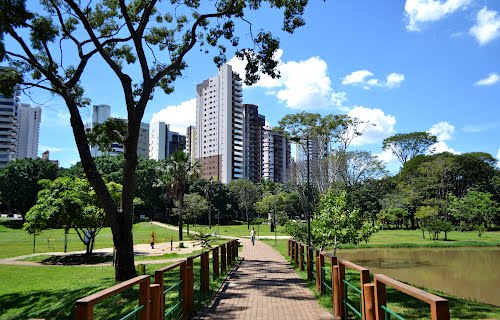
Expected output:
(314, 150)
(191, 142)
(29, 131)
(254, 124)
(276, 156)
(101, 113)
(220, 128)
(163, 142)
(9, 110)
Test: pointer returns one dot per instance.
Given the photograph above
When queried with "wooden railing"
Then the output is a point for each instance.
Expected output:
(151, 301)
(439, 306)
(373, 304)
(84, 308)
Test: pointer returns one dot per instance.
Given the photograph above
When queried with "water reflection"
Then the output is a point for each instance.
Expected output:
(472, 273)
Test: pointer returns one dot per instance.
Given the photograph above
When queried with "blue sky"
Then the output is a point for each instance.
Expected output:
(415, 65)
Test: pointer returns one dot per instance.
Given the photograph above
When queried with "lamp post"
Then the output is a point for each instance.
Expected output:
(308, 200)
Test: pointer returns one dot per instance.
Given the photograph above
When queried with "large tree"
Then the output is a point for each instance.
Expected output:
(407, 145)
(247, 194)
(56, 40)
(69, 203)
(19, 182)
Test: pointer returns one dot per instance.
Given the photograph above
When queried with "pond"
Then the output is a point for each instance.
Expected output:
(471, 273)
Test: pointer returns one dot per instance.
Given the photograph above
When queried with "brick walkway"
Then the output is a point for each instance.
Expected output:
(264, 287)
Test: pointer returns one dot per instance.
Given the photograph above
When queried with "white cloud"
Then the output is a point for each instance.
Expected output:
(365, 79)
(443, 131)
(421, 11)
(392, 162)
(302, 85)
(338, 99)
(487, 27)
(380, 125)
(178, 117)
(490, 80)
(394, 79)
(498, 158)
(73, 162)
(357, 77)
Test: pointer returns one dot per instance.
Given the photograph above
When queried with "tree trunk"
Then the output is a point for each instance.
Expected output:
(248, 221)
(181, 212)
(121, 222)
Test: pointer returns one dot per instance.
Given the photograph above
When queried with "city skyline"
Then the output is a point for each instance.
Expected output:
(394, 65)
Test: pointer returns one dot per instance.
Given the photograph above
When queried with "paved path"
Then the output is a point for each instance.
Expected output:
(264, 287)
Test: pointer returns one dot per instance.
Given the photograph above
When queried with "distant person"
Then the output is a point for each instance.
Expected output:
(252, 235)
(152, 241)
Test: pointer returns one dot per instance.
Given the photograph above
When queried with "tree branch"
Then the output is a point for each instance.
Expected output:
(178, 61)
(95, 40)
(137, 38)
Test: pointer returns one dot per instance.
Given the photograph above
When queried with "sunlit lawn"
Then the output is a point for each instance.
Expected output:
(16, 242)
(240, 230)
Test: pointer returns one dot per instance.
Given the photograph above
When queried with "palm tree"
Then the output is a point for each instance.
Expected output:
(176, 173)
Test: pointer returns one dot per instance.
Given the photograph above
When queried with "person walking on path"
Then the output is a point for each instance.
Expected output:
(252, 235)
(152, 241)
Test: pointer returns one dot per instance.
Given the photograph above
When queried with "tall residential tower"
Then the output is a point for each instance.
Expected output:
(254, 124)
(9, 110)
(220, 129)
(29, 131)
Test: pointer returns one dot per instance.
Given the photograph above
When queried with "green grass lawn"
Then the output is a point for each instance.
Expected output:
(50, 291)
(17, 242)
(406, 306)
(240, 230)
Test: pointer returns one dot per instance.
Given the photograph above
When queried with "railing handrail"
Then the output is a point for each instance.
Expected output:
(408, 289)
(170, 267)
(108, 292)
(352, 265)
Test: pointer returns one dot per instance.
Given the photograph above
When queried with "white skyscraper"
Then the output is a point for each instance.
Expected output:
(220, 129)
(9, 109)
(163, 142)
(29, 131)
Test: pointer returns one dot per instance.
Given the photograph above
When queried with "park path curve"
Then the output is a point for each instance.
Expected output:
(264, 286)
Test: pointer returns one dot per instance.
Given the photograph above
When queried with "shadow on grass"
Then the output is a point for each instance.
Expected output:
(12, 224)
(78, 259)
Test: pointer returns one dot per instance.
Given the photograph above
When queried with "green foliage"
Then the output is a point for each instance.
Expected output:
(223, 201)
(194, 206)
(104, 134)
(407, 145)
(174, 176)
(334, 220)
(69, 203)
(474, 209)
(19, 182)
(246, 192)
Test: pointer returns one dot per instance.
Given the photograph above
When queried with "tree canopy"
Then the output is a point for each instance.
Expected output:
(145, 45)
(407, 145)
(19, 182)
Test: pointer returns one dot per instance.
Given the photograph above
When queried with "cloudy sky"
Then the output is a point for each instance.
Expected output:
(419, 65)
